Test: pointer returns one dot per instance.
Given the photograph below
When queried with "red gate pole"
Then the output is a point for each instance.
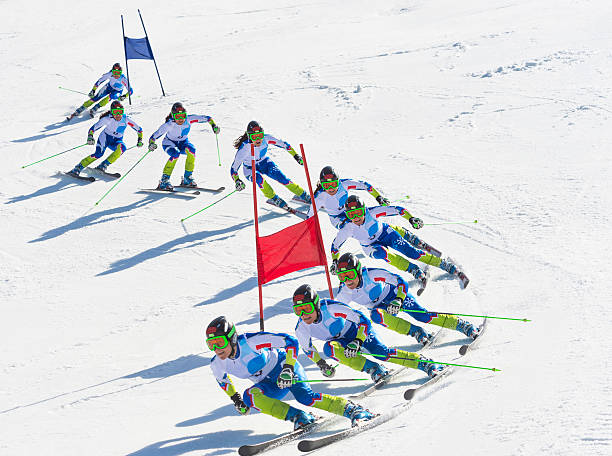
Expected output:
(256, 219)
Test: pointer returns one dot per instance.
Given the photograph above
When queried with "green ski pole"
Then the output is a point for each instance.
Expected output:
(451, 223)
(435, 362)
(464, 315)
(75, 91)
(121, 178)
(218, 153)
(219, 200)
(51, 156)
(332, 380)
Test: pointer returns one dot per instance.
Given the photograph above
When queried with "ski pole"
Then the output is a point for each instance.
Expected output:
(436, 362)
(218, 153)
(450, 223)
(219, 200)
(75, 91)
(330, 380)
(51, 156)
(401, 199)
(465, 315)
(121, 178)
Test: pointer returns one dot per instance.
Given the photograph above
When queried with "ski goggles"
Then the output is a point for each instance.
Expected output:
(305, 308)
(219, 342)
(179, 115)
(117, 111)
(355, 213)
(349, 274)
(116, 72)
(329, 184)
(256, 136)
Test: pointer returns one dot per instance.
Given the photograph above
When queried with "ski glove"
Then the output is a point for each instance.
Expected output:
(382, 200)
(242, 408)
(334, 266)
(326, 369)
(298, 158)
(90, 140)
(240, 185)
(394, 306)
(215, 128)
(152, 145)
(416, 223)
(353, 347)
(123, 97)
(139, 143)
(92, 93)
(285, 378)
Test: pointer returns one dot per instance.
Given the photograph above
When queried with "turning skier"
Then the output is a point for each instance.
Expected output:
(112, 91)
(346, 331)
(176, 128)
(385, 295)
(114, 123)
(377, 238)
(255, 136)
(269, 360)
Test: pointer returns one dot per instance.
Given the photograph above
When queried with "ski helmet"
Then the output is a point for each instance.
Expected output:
(253, 126)
(305, 295)
(327, 174)
(178, 107)
(348, 262)
(220, 327)
(116, 66)
(116, 105)
(353, 202)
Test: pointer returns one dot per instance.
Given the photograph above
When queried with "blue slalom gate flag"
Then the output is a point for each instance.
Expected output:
(138, 48)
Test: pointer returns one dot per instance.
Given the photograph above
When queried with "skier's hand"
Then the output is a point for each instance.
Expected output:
(394, 306)
(298, 158)
(326, 369)
(416, 223)
(334, 267)
(215, 128)
(240, 405)
(152, 145)
(382, 200)
(240, 185)
(123, 97)
(353, 347)
(285, 378)
(139, 143)
(92, 93)
(90, 140)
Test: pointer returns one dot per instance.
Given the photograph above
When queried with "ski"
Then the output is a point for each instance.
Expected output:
(464, 348)
(429, 249)
(76, 176)
(104, 173)
(170, 192)
(409, 393)
(424, 282)
(299, 200)
(289, 209)
(248, 450)
(463, 279)
(202, 189)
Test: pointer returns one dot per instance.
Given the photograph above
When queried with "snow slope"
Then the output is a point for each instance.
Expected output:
(493, 110)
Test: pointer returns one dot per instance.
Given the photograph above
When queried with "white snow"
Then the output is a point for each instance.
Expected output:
(493, 110)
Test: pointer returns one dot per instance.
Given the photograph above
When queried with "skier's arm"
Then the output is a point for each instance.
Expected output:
(238, 160)
(103, 78)
(342, 310)
(192, 118)
(277, 340)
(103, 122)
(317, 201)
(398, 281)
(160, 131)
(305, 341)
(285, 145)
(353, 184)
(227, 385)
(340, 239)
(137, 128)
(127, 86)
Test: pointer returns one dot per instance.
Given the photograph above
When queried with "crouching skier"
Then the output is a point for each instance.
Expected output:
(270, 361)
(385, 294)
(346, 332)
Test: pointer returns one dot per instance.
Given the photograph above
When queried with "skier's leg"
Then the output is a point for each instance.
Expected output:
(174, 153)
(103, 102)
(334, 349)
(101, 145)
(258, 397)
(119, 149)
(190, 151)
(269, 168)
(305, 395)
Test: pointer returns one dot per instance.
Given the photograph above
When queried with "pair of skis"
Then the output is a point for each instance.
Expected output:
(91, 178)
(291, 210)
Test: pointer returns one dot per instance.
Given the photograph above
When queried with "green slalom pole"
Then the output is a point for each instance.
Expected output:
(219, 200)
(436, 362)
(51, 156)
(121, 178)
(218, 153)
(333, 380)
(465, 315)
(75, 91)
(451, 223)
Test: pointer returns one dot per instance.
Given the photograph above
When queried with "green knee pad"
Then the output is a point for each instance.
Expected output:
(295, 188)
(331, 404)
(88, 103)
(356, 363)
(269, 406)
(446, 321)
(397, 324)
(412, 362)
(398, 261)
(169, 167)
(104, 101)
(428, 258)
(267, 190)
(190, 162)
(87, 161)
(115, 155)
(401, 230)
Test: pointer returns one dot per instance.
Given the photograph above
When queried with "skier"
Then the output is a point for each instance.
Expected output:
(114, 123)
(176, 128)
(112, 91)
(332, 192)
(377, 238)
(385, 294)
(270, 361)
(346, 331)
(256, 136)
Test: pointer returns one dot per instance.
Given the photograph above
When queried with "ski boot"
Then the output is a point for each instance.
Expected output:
(78, 111)
(356, 413)
(187, 181)
(447, 265)
(418, 274)
(164, 183)
(376, 371)
(102, 166)
(305, 197)
(76, 170)
(467, 328)
(299, 418)
(430, 369)
(278, 201)
(419, 334)
(92, 111)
